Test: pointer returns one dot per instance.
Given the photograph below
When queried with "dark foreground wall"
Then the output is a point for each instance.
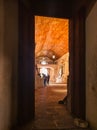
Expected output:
(26, 75)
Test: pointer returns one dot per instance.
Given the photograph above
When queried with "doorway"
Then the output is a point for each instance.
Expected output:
(26, 66)
(51, 55)
(52, 47)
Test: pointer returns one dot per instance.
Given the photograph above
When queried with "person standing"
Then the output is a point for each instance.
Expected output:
(48, 78)
(44, 79)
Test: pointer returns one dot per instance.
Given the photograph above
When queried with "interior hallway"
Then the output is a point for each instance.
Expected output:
(49, 114)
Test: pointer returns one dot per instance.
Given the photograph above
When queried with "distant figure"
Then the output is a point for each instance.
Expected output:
(48, 78)
(44, 79)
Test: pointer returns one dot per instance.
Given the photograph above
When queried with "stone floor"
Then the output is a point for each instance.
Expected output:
(49, 114)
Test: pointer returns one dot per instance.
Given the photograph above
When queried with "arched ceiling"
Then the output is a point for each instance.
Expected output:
(51, 36)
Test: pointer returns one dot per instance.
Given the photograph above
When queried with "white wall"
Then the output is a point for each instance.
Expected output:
(91, 67)
(8, 62)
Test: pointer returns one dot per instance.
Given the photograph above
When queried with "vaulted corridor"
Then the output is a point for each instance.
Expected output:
(17, 66)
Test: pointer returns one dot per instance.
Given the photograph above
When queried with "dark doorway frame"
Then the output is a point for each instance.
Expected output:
(77, 91)
(26, 66)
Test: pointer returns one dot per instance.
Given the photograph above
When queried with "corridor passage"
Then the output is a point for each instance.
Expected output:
(49, 114)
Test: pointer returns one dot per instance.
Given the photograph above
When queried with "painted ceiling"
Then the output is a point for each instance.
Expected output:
(51, 36)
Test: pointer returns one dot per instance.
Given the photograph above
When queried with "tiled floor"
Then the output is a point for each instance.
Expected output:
(49, 114)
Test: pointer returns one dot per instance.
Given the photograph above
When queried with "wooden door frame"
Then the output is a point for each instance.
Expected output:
(26, 66)
(77, 93)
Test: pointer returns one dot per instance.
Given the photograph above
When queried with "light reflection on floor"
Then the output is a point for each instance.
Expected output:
(59, 90)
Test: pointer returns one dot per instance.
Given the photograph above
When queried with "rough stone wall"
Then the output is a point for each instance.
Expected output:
(51, 34)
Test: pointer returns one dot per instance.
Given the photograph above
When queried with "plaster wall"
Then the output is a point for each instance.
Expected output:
(64, 63)
(8, 62)
(91, 67)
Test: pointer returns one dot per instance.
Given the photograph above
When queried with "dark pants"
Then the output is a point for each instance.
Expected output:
(45, 81)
